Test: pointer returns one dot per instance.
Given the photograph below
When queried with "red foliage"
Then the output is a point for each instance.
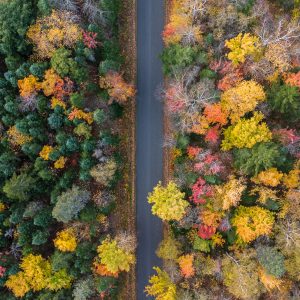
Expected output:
(286, 136)
(2, 271)
(212, 134)
(201, 191)
(90, 39)
(63, 88)
(193, 151)
(230, 80)
(209, 164)
(206, 232)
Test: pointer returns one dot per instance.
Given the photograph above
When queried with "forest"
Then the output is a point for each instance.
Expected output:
(62, 95)
(231, 205)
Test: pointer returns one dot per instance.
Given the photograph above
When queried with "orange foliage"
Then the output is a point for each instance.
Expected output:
(214, 114)
(80, 114)
(118, 89)
(292, 79)
(186, 265)
(29, 86)
(101, 269)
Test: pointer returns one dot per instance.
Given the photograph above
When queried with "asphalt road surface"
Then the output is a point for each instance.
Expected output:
(149, 162)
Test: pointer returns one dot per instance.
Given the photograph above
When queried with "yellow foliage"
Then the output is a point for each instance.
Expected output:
(292, 179)
(45, 152)
(52, 32)
(50, 82)
(243, 98)
(229, 194)
(16, 138)
(186, 265)
(269, 281)
(264, 194)
(211, 218)
(66, 241)
(217, 240)
(28, 86)
(252, 222)
(36, 271)
(271, 177)
(18, 284)
(277, 54)
(57, 102)
(241, 46)
(2, 207)
(81, 115)
(246, 133)
(169, 248)
(114, 258)
(161, 286)
(168, 202)
(60, 163)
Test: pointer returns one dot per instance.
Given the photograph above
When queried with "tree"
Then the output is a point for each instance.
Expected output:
(15, 17)
(241, 99)
(271, 260)
(53, 32)
(70, 203)
(103, 173)
(186, 265)
(19, 187)
(161, 286)
(114, 258)
(252, 222)
(286, 100)
(259, 158)
(83, 289)
(241, 46)
(246, 133)
(168, 202)
(118, 89)
(169, 248)
(65, 240)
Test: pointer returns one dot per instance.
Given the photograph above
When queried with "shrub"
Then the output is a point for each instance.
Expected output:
(261, 157)
(168, 202)
(70, 203)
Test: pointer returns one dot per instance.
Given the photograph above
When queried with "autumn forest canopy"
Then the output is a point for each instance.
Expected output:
(232, 203)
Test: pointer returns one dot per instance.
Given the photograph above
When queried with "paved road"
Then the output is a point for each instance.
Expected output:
(149, 135)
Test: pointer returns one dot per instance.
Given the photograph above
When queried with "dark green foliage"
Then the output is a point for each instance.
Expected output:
(259, 158)
(271, 260)
(38, 69)
(77, 100)
(15, 17)
(64, 65)
(108, 65)
(177, 57)
(116, 110)
(182, 141)
(85, 253)
(43, 218)
(286, 100)
(106, 285)
(72, 144)
(99, 116)
(19, 187)
(8, 164)
(55, 121)
(40, 237)
(31, 150)
(61, 260)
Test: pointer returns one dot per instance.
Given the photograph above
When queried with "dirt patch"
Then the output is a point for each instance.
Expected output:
(124, 217)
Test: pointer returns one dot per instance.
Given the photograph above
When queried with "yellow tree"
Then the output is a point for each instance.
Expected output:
(161, 286)
(168, 202)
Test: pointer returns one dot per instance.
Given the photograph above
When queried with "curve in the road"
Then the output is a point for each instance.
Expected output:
(149, 161)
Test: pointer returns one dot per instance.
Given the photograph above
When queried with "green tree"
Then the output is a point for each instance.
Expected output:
(19, 187)
(70, 203)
